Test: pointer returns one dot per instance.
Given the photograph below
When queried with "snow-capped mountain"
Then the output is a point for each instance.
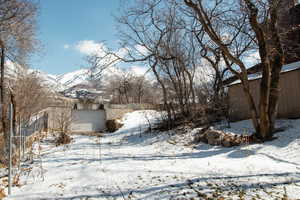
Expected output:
(48, 80)
(60, 83)
(76, 83)
(69, 84)
(71, 79)
(12, 70)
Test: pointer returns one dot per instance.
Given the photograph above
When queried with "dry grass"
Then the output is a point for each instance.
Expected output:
(2, 193)
(97, 134)
(2, 158)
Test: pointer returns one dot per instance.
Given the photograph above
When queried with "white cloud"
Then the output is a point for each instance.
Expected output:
(89, 47)
(122, 52)
(141, 49)
(66, 46)
(138, 70)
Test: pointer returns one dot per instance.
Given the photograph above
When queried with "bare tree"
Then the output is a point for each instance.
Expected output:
(262, 20)
(17, 41)
(17, 27)
(156, 36)
(127, 87)
(29, 93)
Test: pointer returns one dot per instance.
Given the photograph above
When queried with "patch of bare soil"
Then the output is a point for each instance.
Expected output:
(113, 125)
(96, 134)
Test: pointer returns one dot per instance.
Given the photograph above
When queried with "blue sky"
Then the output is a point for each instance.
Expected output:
(63, 24)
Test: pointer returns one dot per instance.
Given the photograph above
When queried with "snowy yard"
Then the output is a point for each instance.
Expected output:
(131, 165)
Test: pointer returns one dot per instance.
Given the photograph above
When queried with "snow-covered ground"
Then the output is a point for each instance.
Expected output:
(130, 164)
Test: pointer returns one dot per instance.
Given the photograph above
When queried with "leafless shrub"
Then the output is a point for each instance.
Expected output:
(63, 120)
(62, 139)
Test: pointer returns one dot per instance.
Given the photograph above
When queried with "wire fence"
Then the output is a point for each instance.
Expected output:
(21, 137)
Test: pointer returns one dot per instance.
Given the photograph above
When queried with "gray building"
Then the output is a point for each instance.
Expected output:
(289, 100)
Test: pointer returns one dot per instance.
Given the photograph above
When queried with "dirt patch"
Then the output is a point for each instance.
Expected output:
(113, 125)
(96, 134)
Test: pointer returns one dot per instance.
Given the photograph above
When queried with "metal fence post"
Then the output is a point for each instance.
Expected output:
(10, 148)
(20, 141)
(23, 142)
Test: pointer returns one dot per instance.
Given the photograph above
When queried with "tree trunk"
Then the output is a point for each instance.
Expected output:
(251, 104)
(165, 97)
(264, 128)
(276, 59)
(2, 93)
(277, 62)
(2, 75)
(13, 102)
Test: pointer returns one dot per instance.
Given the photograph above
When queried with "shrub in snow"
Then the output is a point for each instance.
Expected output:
(63, 138)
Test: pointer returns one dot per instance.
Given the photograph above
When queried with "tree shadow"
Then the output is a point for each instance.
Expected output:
(152, 192)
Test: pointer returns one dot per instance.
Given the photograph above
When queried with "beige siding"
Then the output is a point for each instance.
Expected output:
(289, 101)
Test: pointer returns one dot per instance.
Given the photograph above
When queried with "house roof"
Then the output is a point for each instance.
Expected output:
(285, 68)
(252, 70)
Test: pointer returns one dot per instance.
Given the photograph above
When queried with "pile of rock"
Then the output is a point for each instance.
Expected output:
(220, 138)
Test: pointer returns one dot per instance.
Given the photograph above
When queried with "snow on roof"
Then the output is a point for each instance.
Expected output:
(285, 68)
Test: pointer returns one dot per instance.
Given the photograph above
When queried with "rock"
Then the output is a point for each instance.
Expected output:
(227, 143)
(219, 138)
(200, 138)
(200, 135)
(236, 141)
(214, 137)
